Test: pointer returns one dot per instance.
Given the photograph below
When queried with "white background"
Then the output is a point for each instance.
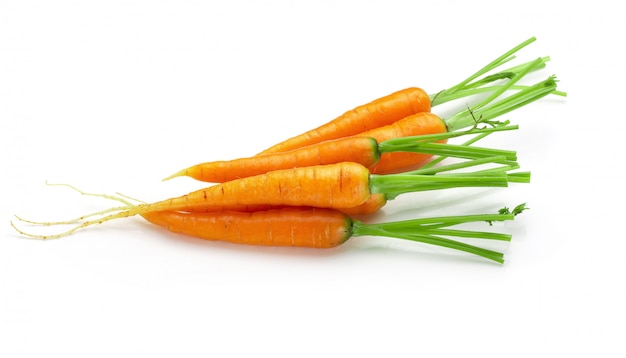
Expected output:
(114, 95)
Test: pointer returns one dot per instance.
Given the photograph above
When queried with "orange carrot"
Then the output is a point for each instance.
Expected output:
(325, 228)
(377, 113)
(362, 150)
(341, 185)
(337, 186)
(317, 228)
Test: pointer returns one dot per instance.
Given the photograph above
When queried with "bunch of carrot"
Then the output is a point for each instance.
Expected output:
(306, 190)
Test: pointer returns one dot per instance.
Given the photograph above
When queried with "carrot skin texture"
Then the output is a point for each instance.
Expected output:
(362, 150)
(341, 185)
(417, 124)
(377, 113)
(299, 227)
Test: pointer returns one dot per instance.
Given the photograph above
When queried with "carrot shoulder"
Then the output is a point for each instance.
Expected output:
(418, 124)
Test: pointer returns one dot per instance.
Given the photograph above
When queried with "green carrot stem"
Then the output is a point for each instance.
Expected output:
(519, 99)
(430, 231)
(507, 56)
(479, 86)
(395, 184)
(509, 165)
(443, 221)
(396, 144)
(520, 177)
(360, 229)
(452, 150)
(508, 73)
(423, 144)
(531, 66)
(485, 235)
(530, 94)
(469, 142)
(489, 89)
(451, 244)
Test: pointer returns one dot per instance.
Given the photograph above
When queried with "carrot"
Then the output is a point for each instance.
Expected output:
(326, 228)
(337, 186)
(361, 150)
(375, 149)
(341, 185)
(302, 227)
(393, 107)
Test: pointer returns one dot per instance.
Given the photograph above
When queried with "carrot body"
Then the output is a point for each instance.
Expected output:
(377, 113)
(338, 186)
(362, 150)
(316, 228)
(342, 185)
